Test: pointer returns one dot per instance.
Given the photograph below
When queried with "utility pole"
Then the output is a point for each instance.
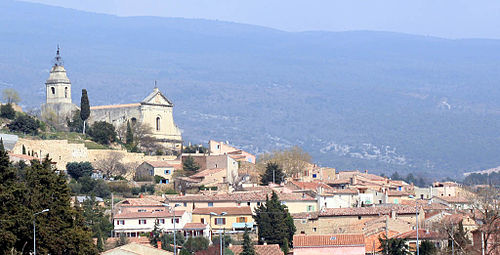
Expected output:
(482, 242)
(274, 181)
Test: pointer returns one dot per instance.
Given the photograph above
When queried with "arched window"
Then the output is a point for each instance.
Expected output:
(66, 92)
(157, 123)
(53, 90)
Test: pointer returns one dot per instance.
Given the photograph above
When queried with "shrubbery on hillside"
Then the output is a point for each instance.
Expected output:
(102, 132)
(7, 111)
(25, 124)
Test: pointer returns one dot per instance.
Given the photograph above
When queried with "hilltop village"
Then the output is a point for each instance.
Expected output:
(133, 173)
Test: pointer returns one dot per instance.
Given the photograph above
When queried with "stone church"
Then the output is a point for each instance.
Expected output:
(155, 111)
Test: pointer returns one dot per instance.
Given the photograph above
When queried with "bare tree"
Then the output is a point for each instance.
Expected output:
(292, 161)
(111, 165)
(486, 206)
(10, 96)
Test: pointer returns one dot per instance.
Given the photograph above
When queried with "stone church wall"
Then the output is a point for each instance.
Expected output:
(116, 115)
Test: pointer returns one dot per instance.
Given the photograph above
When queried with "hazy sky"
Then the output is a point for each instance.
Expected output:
(443, 18)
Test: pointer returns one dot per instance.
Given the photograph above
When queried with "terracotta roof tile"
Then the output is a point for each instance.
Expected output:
(194, 225)
(311, 185)
(372, 242)
(228, 210)
(206, 172)
(422, 234)
(145, 201)
(455, 200)
(270, 249)
(328, 240)
(160, 163)
(22, 157)
(244, 196)
(305, 215)
(374, 210)
(148, 214)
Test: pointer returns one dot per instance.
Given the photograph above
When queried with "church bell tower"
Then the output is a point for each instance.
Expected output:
(58, 86)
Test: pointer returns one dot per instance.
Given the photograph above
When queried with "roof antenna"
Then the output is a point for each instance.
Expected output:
(155, 85)
(58, 60)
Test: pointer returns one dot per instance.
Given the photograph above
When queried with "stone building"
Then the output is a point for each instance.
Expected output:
(155, 111)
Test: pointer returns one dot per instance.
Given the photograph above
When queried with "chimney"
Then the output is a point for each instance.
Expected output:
(141, 196)
(158, 244)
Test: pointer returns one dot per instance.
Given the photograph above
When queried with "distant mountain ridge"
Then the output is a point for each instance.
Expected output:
(354, 100)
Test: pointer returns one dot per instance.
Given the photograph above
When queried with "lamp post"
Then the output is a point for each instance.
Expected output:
(175, 230)
(220, 231)
(34, 229)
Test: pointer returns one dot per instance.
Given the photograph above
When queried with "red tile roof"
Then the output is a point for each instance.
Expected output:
(194, 225)
(342, 191)
(328, 240)
(244, 196)
(149, 214)
(455, 200)
(206, 172)
(422, 234)
(228, 210)
(311, 185)
(372, 242)
(270, 249)
(305, 215)
(374, 210)
(160, 163)
(146, 201)
(22, 157)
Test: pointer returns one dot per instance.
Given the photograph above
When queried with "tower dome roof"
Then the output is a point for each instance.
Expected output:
(58, 73)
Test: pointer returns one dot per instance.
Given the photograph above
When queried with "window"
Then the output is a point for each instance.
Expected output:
(176, 220)
(239, 203)
(396, 201)
(248, 203)
(220, 221)
(304, 221)
(66, 92)
(141, 210)
(53, 90)
(203, 220)
(142, 222)
(160, 221)
(157, 123)
(314, 175)
(134, 121)
(165, 181)
(241, 219)
(359, 217)
(258, 203)
(210, 204)
(310, 208)
(120, 222)
(167, 171)
(314, 229)
(185, 204)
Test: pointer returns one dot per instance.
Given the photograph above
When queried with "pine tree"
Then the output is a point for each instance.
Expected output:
(155, 235)
(100, 243)
(427, 248)
(274, 221)
(84, 108)
(273, 173)
(394, 246)
(49, 190)
(248, 248)
(190, 166)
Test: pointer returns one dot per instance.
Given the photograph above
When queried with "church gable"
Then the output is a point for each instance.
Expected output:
(157, 98)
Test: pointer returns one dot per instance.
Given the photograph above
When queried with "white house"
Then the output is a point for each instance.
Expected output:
(338, 198)
(134, 221)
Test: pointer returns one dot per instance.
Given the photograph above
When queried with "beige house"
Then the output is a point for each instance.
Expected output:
(164, 169)
(227, 219)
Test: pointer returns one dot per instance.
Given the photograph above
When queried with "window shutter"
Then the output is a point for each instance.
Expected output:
(223, 221)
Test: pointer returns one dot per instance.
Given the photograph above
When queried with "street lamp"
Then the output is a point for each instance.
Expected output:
(173, 210)
(220, 231)
(34, 229)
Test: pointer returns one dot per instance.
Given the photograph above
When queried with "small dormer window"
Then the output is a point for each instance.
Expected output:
(53, 90)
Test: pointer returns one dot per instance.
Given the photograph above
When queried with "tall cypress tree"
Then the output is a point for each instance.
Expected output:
(130, 135)
(248, 248)
(84, 108)
(275, 222)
